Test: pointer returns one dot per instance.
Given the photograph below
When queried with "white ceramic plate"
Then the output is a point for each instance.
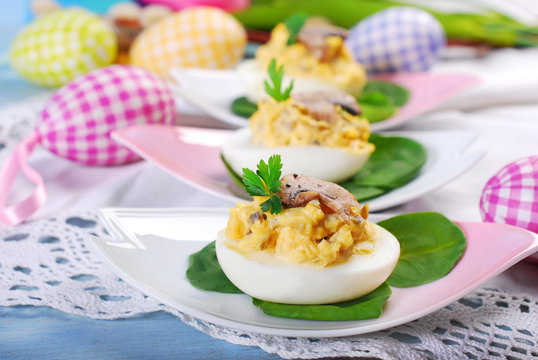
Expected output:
(150, 249)
(213, 91)
(193, 155)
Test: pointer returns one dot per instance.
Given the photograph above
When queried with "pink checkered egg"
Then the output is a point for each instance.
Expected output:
(78, 120)
(511, 196)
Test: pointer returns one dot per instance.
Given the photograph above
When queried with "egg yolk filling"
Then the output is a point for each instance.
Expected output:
(341, 71)
(287, 123)
(301, 235)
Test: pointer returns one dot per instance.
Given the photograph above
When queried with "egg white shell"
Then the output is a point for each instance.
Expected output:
(252, 76)
(325, 163)
(265, 276)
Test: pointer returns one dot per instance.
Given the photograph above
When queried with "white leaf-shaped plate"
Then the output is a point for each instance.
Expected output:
(151, 247)
(213, 91)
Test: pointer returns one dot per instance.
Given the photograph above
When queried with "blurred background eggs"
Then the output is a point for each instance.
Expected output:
(201, 37)
(397, 39)
(61, 45)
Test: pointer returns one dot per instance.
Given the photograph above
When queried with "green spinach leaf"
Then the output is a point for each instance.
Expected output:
(368, 306)
(395, 162)
(430, 246)
(244, 107)
(381, 100)
(205, 273)
(376, 113)
(396, 95)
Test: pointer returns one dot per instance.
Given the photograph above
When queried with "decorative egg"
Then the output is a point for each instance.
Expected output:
(511, 196)
(397, 39)
(228, 5)
(62, 45)
(201, 37)
(77, 121)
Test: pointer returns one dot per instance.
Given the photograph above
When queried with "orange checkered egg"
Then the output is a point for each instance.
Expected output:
(201, 37)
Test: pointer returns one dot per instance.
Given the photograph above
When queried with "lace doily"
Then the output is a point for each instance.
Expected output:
(49, 263)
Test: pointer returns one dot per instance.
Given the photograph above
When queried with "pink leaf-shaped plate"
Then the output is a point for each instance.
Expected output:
(151, 247)
(213, 91)
(193, 155)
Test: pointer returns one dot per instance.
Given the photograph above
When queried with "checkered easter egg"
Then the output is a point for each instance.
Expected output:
(62, 45)
(397, 39)
(200, 37)
(77, 121)
(511, 195)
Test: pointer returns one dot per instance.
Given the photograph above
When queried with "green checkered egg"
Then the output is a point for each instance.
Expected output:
(62, 45)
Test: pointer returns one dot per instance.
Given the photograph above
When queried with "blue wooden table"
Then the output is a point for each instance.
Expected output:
(43, 333)
(28, 332)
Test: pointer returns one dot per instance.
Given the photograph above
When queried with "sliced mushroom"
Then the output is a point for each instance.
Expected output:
(297, 190)
(321, 104)
(313, 35)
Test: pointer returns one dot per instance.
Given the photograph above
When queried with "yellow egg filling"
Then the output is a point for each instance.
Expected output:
(287, 123)
(342, 71)
(301, 235)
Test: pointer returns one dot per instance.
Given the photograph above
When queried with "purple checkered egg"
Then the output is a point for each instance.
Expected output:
(511, 196)
(77, 121)
(397, 39)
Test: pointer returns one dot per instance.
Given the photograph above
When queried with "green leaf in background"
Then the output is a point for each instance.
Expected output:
(294, 24)
(395, 162)
(380, 100)
(369, 306)
(430, 246)
(205, 273)
(376, 113)
(484, 27)
(244, 107)
(396, 94)
(235, 177)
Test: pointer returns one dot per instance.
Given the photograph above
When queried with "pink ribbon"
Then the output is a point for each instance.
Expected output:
(16, 213)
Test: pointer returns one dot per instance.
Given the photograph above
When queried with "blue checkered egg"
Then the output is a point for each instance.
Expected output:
(397, 39)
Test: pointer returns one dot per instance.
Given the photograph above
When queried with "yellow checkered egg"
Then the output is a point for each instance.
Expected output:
(201, 37)
(59, 46)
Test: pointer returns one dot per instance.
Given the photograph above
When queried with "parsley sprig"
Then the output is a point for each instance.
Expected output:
(276, 75)
(265, 182)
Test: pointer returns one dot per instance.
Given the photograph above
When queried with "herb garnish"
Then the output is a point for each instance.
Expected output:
(276, 75)
(265, 182)
(294, 24)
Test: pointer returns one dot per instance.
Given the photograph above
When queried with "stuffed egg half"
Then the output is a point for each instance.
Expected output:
(318, 60)
(321, 252)
(316, 134)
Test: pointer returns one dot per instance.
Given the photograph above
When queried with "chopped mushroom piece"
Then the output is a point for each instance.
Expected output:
(321, 104)
(314, 36)
(297, 190)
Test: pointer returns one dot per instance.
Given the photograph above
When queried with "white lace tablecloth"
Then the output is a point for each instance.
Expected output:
(49, 261)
